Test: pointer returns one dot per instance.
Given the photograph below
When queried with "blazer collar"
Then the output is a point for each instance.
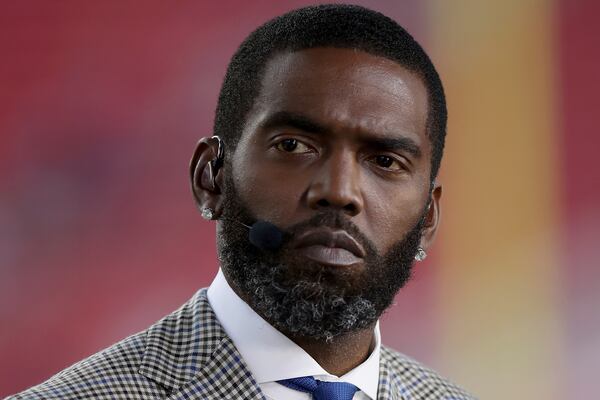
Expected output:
(387, 390)
(188, 352)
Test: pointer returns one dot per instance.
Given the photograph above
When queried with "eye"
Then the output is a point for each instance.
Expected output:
(388, 163)
(292, 146)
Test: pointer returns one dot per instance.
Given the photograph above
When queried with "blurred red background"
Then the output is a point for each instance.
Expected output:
(101, 104)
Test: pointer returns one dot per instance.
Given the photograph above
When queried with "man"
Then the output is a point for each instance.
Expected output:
(329, 134)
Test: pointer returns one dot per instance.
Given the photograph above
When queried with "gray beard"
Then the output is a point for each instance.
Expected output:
(306, 299)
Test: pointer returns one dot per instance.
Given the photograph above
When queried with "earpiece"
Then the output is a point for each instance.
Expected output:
(216, 163)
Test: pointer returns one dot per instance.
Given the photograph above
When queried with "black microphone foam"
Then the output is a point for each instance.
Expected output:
(265, 235)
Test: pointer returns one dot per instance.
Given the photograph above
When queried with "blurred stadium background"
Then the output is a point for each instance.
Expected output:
(101, 104)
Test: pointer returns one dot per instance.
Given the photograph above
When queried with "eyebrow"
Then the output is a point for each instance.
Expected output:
(306, 124)
(397, 143)
(293, 120)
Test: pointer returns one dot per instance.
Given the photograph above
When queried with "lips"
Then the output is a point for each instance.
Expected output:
(331, 247)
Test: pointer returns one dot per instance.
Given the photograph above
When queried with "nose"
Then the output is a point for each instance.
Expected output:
(336, 185)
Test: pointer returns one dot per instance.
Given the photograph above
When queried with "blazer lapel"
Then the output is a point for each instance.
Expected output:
(225, 376)
(189, 353)
(401, 378)
(387, 389)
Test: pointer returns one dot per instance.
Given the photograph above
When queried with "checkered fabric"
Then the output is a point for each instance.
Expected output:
(187, 355)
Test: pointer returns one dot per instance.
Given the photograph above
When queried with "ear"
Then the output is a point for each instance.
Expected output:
(205, 181)
(432, 218)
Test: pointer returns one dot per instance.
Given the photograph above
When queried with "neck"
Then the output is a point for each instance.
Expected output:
(341, 354)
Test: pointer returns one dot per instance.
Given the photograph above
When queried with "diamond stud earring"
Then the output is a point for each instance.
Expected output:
(208, 213)
(421, 255)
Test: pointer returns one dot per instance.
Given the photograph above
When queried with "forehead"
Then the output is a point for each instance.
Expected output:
(345, 88)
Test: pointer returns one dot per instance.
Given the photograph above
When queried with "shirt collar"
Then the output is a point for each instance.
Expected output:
(269, 354)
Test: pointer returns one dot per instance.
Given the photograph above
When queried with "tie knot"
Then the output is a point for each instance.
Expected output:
(321, 390)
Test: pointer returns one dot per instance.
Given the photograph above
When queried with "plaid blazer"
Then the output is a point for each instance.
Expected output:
(188, 355)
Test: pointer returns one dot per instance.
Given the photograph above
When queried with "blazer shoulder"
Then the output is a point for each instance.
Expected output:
(410, 376)
(109, 374)
(146, 365)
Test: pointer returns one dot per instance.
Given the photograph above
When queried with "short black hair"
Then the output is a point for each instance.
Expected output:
(328, 25)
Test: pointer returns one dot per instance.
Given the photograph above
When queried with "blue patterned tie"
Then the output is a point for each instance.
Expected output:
(321, 390)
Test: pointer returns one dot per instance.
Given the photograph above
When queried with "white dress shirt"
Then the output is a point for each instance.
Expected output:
(271, 356)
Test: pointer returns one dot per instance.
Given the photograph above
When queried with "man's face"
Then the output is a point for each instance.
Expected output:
(334, 152)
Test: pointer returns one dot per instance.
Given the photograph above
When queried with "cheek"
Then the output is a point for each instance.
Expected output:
(270, 193)
(389, 214)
